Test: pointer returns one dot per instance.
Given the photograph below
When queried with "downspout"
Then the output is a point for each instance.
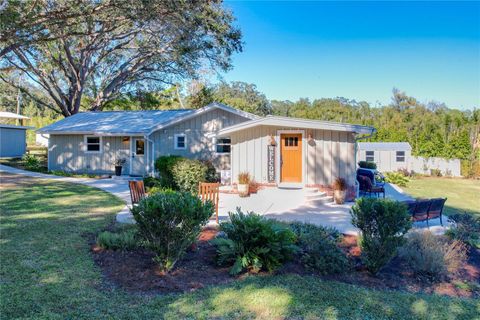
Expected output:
(357, 138)
(152, 171)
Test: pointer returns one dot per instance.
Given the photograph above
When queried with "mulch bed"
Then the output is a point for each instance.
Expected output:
(135, 271)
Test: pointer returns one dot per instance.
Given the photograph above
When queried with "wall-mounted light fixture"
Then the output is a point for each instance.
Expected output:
(272, 140)
(125, 139)
(310, 137)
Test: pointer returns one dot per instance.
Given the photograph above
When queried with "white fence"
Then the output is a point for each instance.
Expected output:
(424, 165)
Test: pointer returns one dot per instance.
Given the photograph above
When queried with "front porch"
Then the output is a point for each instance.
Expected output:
(311, 206)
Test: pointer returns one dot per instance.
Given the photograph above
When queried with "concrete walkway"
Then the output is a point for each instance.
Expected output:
(116, 187)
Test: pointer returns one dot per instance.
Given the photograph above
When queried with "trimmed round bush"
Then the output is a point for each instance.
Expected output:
(188, 173)
(383, 224)
(318, 248)
(170, 222)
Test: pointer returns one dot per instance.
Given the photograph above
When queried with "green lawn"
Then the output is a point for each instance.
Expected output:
(46, 271)
(462, 194)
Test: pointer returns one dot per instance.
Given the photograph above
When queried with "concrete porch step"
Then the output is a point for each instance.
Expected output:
(320, 201)
(315, 195)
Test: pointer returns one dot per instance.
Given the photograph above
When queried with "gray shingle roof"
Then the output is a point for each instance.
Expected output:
(384, 146)
(114, 122)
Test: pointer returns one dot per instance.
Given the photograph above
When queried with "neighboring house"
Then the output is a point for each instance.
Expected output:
(279, 151)
(393, 156)
(13, 139)
(91, 141)
(389, 156)
(292, 152)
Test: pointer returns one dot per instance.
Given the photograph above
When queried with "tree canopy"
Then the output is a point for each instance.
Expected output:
(92, 52)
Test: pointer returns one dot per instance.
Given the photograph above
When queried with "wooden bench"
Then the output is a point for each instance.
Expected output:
(210, 192)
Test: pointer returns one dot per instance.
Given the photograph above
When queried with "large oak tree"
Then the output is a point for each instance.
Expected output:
(91, 51)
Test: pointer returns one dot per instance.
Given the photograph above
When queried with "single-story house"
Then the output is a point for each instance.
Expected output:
(274, 150)
(13, 138)
(389, 156)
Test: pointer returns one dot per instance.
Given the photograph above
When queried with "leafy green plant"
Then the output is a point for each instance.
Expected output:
(124, 240)
(254, 243)
(396, 178)
(433, 256)
(170, 222)
(318, 248)
(188, 173)
(466, 228)
(31, 162)
(152, 183)
(164, 166)
(367, 164)
(383, 224)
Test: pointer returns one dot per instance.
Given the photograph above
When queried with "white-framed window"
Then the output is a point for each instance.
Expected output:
(139, 147)
(400, 156)
(370, 156)
(93, 144)
(223, 145)
(180, 142)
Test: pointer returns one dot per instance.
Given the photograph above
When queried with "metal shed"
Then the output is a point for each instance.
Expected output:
(13, 140)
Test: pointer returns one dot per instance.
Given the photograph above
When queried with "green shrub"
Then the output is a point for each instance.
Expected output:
(124, 240)
(183, 174)
(396, 178)
(31, 162)
(383, 224)
(170, 222)
(211, 175)
(466, 228)
(254, 243)
(318, 248)
(188, 173)
(367, 164)
(435, 172)
(164, 165)
(433, 256)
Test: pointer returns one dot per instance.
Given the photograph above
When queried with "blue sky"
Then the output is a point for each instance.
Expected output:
(360, 50)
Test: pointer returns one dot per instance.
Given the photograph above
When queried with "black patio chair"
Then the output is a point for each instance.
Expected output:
(366, 186)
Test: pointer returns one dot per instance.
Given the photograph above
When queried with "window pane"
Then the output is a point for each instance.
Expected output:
(139, 147)
(223, 148)
(224, 141)
(369, 156)
(93, 139)
(93, 147)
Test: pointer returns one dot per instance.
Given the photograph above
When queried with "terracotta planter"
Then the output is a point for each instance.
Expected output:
(243, 189)
(118, 170)
(339, 196)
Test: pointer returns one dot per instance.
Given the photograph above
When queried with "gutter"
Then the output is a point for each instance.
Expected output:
(152, 172)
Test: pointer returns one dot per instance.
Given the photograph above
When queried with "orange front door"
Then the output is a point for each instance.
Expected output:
(291, 157)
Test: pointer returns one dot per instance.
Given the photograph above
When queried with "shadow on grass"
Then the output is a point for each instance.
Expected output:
(46, 271)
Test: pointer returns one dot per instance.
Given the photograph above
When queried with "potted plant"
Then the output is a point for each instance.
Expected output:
(243, 184)
(119, 163)
(339, 190)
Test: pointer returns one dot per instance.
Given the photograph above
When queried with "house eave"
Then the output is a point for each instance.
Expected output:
(297, 123)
